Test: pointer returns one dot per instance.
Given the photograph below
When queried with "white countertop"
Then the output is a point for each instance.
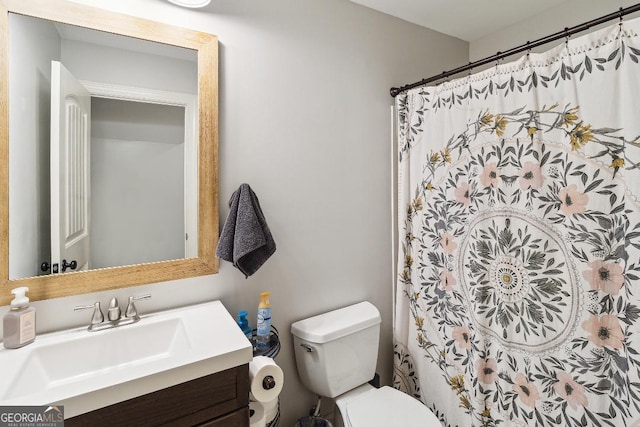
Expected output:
(85, 370)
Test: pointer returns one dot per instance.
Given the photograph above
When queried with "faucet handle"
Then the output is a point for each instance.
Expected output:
(97, 317)
(131, 311)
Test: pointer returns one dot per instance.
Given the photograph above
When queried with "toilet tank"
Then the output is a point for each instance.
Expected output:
(337, 351)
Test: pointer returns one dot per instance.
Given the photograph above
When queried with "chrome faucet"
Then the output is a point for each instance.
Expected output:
(114, 314)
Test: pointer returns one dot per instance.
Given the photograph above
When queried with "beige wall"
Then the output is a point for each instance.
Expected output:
(304, 119)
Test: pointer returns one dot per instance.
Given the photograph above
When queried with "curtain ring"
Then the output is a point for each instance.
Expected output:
(566, 36)
(528, 49)
(620, 14)
(497, 59)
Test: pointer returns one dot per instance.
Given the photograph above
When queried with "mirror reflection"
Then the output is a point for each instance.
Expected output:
(102, 149)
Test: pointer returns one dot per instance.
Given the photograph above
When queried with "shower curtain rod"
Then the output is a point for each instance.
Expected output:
(395, 91)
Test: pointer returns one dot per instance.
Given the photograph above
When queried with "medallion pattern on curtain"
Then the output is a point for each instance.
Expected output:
(519, 235)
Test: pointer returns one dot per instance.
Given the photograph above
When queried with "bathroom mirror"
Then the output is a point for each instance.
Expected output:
(194, 183)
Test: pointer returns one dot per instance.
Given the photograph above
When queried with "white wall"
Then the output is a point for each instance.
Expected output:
(567, 14)
(35, 42)
(304, 119)
(137, 202)
(129, 67)
(137, 183)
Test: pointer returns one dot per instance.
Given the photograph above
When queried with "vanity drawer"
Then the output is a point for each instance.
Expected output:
(237, 419)
(214, 400)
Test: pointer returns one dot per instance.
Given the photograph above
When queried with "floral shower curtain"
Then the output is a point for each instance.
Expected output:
(519, 239)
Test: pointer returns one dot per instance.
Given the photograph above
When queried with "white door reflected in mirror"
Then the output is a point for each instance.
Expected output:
(70, 174)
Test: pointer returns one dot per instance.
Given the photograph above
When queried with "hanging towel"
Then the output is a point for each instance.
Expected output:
(246, 240)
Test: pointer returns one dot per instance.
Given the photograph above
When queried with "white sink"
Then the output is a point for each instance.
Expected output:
(87, 370)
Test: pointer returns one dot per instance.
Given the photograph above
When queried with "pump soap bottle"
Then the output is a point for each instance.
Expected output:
(19, 324)
(264, 321)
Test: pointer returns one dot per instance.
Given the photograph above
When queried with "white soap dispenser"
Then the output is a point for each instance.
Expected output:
(19, 324)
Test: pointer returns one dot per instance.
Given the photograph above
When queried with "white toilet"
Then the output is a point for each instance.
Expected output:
(336, 355)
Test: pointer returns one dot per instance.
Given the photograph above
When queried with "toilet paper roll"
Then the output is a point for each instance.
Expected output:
(257, 415)
(266, 379)
(270, 409)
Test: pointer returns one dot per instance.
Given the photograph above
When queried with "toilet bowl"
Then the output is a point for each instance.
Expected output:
(336, 355)
(385, 406)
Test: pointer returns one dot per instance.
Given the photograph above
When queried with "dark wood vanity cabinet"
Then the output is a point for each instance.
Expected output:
(217, 400)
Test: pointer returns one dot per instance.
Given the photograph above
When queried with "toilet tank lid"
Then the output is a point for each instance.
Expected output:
(337, 323)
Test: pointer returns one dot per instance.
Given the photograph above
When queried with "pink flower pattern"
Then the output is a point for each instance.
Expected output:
(462, 335)
(604, 330)
(463, 193)
(447, 243)
(605, 276)
(530, 176)
(570, 390)
(487, 370)
(573, 201)
(527, 392)
(447, 281)
(490, 175)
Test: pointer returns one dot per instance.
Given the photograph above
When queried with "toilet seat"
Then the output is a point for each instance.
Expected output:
(385, 407)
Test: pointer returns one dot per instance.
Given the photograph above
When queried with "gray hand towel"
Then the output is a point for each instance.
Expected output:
(246, 240)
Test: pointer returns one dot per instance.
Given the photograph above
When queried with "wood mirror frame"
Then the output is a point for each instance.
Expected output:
(206, 45)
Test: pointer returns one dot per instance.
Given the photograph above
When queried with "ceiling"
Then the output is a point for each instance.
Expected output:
(465, 19)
